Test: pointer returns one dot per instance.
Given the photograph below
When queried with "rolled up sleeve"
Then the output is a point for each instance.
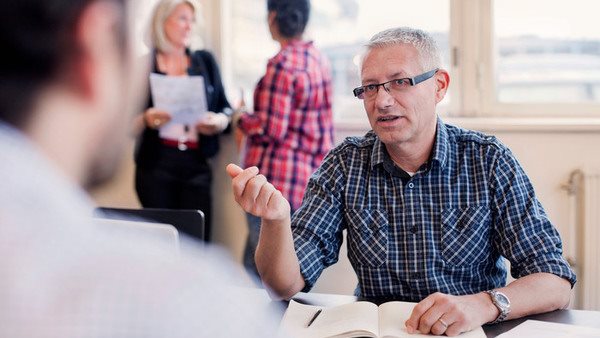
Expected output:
(318, 224)
(525, 235)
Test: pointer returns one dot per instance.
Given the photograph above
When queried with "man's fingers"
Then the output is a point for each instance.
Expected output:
(262, 200)
(256, 195)
(233, 170)
(247, 185)
(454, 330)
(412, 324)
(253, 187)
(277, 205)
(431, 318)
(241, 180)
(439, 327)
(439, 314)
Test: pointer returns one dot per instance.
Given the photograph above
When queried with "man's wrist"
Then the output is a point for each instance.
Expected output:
(489, 311)
(276, 222)
(502, 304)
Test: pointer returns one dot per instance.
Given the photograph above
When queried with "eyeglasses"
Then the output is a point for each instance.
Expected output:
(397, 85)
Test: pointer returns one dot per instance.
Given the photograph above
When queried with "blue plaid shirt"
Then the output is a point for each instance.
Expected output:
(444, 230)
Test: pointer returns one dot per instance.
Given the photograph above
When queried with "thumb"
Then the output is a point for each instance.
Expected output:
(233, 170)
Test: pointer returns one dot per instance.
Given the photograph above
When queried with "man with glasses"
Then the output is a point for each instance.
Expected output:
(430, 209)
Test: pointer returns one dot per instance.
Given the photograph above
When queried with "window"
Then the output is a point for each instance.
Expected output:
(339, 28)
(547, 52)
(251, 44)
(531, 58)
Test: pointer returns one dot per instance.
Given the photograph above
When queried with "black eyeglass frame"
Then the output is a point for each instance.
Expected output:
(413, 81)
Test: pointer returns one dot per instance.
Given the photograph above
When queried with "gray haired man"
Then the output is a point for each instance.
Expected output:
(430, 209)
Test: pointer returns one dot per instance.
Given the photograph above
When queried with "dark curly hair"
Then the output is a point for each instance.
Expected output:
(291, 16)
(37, 39)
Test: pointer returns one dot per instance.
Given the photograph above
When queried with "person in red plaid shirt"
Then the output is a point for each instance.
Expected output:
(291, 128)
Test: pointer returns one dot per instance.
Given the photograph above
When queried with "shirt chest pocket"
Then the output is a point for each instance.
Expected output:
(466, 235)
(367, 236)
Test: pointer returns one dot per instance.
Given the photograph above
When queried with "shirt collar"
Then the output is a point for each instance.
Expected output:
(440, 147)
(378, 153)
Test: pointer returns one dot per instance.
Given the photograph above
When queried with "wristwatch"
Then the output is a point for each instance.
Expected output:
(501, 302)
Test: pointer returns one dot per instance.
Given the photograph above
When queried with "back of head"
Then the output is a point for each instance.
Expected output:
(291, 16)
(37, 38)
(422, 41)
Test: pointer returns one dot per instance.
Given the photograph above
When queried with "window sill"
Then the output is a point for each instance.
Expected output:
(501, 124)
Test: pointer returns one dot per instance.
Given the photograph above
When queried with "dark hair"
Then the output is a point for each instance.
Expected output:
(37, 39)
(291, 16)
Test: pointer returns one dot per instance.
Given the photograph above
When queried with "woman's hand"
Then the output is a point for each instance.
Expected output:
(212, 124)
(156, 118)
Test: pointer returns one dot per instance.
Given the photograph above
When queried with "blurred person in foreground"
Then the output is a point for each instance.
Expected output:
(175, 173)
(67, 83)
(431, 210)
(291, 128)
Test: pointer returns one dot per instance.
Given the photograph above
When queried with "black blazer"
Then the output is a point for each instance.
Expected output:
(202, 63)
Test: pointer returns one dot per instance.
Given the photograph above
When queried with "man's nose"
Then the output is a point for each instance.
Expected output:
(383, 98)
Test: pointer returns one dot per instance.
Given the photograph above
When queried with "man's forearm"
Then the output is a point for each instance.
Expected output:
(446, 314)
(537, 293)
(276, 259)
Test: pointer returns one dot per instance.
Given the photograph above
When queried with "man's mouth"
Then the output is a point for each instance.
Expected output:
(387, 118)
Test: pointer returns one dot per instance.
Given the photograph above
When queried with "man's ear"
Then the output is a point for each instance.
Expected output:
(442, 81)
(95, 38)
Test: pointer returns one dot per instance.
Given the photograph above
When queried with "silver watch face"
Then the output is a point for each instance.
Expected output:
(501, 299)
(502, 303)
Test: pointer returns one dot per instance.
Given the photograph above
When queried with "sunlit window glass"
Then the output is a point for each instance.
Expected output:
(339, 29)
(547, 51)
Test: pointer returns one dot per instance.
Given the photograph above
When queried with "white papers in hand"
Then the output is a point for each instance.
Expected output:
(536, 328)
(184, 98)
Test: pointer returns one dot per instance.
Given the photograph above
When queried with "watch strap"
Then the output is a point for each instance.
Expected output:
(504, 309)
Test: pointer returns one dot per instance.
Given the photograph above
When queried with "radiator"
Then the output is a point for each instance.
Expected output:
(583, 237)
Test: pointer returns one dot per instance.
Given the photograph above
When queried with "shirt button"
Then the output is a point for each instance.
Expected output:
(411, 185)
(414, 229)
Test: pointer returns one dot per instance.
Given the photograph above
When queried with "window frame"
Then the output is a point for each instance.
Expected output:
(472, 71)
(492, 107)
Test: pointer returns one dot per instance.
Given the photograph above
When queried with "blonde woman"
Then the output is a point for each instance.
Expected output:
(175, 173)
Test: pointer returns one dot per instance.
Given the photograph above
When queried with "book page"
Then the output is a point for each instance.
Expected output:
(357, 319)
(393, 315)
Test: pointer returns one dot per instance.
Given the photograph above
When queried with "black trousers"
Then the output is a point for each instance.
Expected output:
(179, 180)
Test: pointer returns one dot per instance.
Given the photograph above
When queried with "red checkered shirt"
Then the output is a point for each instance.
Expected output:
(291, 128)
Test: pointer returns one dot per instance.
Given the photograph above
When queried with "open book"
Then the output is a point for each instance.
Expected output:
(359, 319)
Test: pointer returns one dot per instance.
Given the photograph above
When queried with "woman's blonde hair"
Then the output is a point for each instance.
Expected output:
(162, 11)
